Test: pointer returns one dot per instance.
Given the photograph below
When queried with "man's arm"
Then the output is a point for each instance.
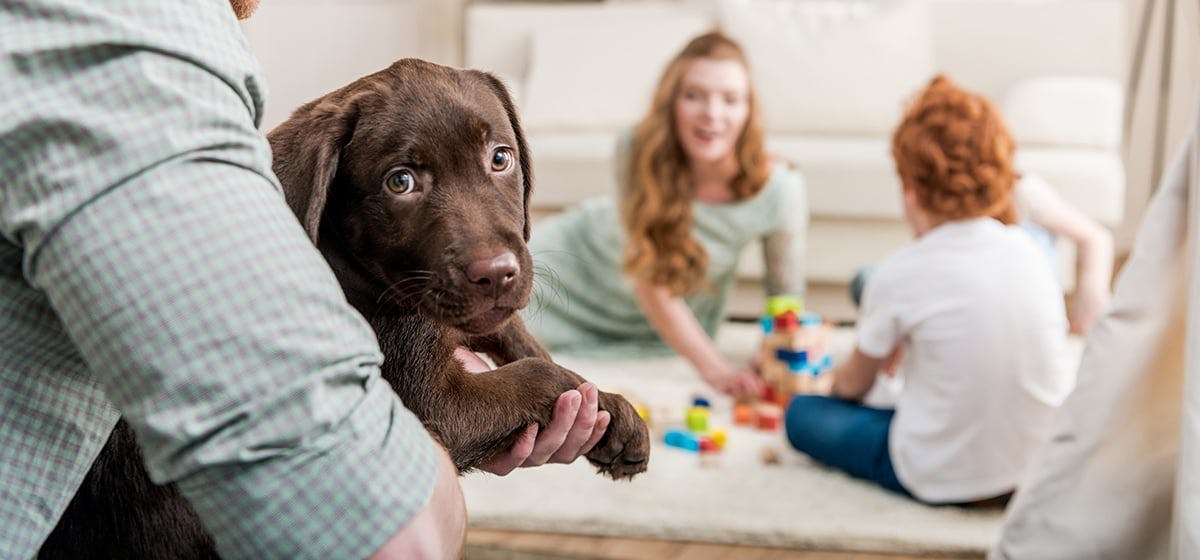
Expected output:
(439, 530)
(142, 200)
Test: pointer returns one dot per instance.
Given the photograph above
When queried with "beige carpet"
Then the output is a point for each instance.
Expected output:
(735, 498)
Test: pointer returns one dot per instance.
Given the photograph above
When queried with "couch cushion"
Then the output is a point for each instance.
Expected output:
(1066, 111)
(600, 75)
(842, 66)
(846, 176)
(571, 167)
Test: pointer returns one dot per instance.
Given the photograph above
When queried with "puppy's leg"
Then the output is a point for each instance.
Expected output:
(479, 416)
(509, 344)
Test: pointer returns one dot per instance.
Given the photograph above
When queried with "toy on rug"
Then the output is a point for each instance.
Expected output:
(764, 415)
(697, 436)
(770, 456)
(794, 355)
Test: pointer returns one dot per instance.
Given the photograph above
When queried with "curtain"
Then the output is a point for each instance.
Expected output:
(1120, 476)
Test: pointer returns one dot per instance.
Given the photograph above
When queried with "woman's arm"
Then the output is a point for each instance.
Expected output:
(784, 248)
(1094, 253)
(678, 327)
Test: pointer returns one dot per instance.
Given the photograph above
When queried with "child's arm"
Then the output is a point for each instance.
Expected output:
(677, 326)
(1094, 249)
(855, 376)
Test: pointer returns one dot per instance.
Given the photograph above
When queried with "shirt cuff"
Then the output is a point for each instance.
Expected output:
(343, 501)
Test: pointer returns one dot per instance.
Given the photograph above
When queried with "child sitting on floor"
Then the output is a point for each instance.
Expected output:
(969, 308)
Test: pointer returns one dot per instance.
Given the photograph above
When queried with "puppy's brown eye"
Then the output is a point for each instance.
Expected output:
(502, 160)
(401, 181)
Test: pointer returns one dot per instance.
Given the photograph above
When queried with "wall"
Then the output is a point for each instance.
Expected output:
(309, 47)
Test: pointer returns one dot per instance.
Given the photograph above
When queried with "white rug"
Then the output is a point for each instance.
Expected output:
(735, 499)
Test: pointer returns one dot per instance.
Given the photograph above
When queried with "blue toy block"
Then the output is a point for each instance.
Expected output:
(701, 402)
(810, 319)
(682, 439)
(791, 356)
(768, 324)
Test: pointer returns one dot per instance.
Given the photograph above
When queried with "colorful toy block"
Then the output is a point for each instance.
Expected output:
(743, 414)
(697, 419)
(794, 358)
(768, 417)
(682, 439)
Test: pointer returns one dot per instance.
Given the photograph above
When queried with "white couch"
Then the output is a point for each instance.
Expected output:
(833, 76)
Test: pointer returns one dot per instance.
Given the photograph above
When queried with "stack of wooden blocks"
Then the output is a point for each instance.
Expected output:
(795, 357)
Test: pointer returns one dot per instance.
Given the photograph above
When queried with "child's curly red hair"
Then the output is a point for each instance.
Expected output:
(955, 153)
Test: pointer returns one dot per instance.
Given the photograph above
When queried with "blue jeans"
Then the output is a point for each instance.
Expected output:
(844, 435)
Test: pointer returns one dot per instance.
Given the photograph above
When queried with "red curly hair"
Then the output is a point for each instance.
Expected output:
(955, 153)
(657, 207)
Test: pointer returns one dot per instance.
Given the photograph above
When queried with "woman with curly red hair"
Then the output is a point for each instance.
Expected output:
(970, 310)
(653, 268)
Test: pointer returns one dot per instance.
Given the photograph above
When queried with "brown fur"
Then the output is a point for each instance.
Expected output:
(430, 271)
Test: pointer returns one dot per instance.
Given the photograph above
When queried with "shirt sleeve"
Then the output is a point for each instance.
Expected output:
(878, 320)
(785, 247)
(142, 198)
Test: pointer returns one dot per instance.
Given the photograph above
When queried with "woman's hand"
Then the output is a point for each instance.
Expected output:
(737, 383)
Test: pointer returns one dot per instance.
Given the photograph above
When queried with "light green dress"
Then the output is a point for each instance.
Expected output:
(584, 305)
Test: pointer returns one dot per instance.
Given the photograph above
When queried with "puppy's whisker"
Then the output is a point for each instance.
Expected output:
(405, 292)
(415, 280)
(546, 278)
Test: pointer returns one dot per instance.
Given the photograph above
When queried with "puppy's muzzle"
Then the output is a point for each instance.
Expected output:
(490, 277)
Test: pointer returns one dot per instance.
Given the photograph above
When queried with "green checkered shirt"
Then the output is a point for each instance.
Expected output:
(149, 265)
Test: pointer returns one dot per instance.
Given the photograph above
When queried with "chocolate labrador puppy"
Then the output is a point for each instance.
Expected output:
(414, 183)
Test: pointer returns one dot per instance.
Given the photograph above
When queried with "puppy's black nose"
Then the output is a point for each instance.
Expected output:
(490, 276)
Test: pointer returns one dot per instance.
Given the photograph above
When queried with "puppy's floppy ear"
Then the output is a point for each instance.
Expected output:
(305, 151)
(522, 148)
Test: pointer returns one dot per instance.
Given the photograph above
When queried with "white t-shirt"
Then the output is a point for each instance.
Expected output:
(982, 323)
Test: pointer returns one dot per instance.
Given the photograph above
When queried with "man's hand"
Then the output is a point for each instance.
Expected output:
(575, 426)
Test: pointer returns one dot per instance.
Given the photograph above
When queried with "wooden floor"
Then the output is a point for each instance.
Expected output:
(506, 545)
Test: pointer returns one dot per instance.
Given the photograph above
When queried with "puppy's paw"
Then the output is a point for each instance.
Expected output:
(625, 448)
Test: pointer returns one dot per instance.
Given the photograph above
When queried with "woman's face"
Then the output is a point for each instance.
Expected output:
(712, 108)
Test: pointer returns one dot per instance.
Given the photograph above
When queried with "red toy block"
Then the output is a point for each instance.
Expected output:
(769, 417)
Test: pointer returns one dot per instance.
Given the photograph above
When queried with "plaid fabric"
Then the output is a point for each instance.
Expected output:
(148, 264)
